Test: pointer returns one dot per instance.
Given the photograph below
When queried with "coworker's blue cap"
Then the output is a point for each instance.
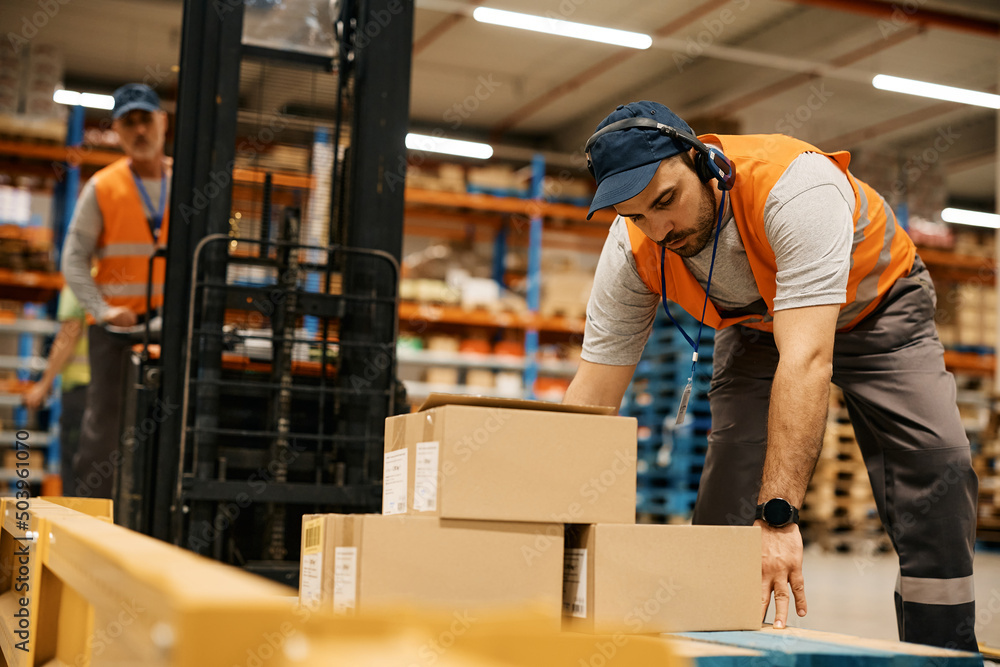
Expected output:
(134, 96)
(624, 161)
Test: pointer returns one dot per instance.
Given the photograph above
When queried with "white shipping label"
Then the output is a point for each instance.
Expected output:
(394, 483)
(575, 583)
(345, 579)
(425, 477)
(311, 581)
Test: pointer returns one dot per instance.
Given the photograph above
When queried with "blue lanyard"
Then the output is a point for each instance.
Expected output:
(157, 214)
(701, 323)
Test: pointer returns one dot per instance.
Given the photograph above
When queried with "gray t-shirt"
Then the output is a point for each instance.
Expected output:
(808, 220)
(81, 243)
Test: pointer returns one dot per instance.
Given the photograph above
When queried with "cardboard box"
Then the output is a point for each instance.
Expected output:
(467, 457)
(654, 578)
(368, 562)
(33, 459)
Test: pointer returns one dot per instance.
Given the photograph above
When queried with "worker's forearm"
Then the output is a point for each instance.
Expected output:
(599, 384)
(77, 254)
(796, 422)
(581, 392)
(62, 351)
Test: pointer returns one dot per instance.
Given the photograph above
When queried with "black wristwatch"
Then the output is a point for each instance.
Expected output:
(777, 513)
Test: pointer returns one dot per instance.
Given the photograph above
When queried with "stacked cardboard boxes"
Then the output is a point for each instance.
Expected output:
(498, 504)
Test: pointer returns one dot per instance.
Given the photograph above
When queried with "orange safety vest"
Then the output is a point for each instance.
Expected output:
(126, 243)
(881, 253)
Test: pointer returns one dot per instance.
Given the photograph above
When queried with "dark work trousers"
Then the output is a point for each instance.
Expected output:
(901, 401)
(97, 459)
(74, 402)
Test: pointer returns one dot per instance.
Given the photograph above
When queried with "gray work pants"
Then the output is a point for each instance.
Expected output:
(901, 401)
(97, 459)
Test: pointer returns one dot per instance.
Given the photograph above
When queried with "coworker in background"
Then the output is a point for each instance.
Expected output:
(813, 280)
(68, 359)
(120, 219)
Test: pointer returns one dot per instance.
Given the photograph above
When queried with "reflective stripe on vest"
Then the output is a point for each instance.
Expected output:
(126, 243)
(880, 252)
(125, 250)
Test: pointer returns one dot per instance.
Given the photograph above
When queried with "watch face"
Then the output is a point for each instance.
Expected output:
(777, 512)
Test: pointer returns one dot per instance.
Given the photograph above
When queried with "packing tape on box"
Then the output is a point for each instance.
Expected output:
(426, 472)
(345, 566)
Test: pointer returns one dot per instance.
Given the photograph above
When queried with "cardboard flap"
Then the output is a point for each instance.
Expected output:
(436, 400)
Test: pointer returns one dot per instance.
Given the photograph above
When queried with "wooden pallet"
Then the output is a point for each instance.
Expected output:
(839, 511)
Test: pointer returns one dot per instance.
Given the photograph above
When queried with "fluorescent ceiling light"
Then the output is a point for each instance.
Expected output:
(544, 24)
(961, 216)
(73, 98)
(936, 91)
(423, 142)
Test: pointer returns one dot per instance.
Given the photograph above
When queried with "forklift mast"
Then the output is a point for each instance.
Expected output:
(267, 396)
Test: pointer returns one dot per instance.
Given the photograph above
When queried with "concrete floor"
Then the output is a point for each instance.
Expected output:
(852, 594)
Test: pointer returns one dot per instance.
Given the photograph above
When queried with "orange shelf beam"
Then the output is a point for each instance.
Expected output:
(412, 313)
(947, 265)
(526, 207)
(37, 279)
(970, 363)
(54, 153)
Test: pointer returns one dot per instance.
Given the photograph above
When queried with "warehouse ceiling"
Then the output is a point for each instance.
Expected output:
(802, 67)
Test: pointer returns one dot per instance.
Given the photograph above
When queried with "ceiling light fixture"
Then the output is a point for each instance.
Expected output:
(423, 142)
(961, 216)
(593, 33)
(936, 91)
(73, 98)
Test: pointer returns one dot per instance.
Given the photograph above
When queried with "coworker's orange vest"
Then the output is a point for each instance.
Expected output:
(126, 243)
(882, 252)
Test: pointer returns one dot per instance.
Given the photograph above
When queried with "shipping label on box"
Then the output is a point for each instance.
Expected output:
(372, 562)
(310, 575)
(511, 460)
(654, 578)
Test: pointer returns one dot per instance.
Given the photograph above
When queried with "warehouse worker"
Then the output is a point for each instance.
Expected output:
(120, 219)
(67, 361)
(805, 273)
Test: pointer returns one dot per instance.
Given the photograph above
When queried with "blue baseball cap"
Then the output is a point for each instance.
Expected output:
(134, 96)
(624, 161)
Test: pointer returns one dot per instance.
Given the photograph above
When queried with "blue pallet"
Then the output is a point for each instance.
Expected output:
(649, 415)
(687, 461)
(668, 483)
(677, 503)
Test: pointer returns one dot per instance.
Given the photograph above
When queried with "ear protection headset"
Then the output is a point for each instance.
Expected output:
(709, 163)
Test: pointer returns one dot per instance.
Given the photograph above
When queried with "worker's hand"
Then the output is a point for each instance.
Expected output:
(781, 567)
(120, 316)
(35, 397)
